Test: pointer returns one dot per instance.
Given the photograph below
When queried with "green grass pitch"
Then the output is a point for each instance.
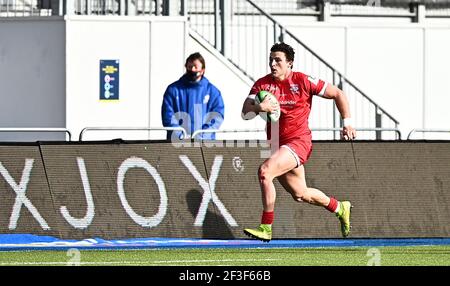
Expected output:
(325, 256)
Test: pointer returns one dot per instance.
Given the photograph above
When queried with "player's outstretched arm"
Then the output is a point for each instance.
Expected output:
(333, 92)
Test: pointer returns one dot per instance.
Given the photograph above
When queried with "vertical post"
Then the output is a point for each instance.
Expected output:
(170, 7)
(222, 26)
(132, 8)
(56, 7)
(334, 109)
(281, 36)
(183, 7)
(95, 7)
(340, 85)
(274, 33)
(217, 29)
(165, 8)
(69, 7)
(158, 7)
(103, 9)
(325, 11)
(226, 12)
(420, 12)
(424, 78)
(122, 8)
(378, 123)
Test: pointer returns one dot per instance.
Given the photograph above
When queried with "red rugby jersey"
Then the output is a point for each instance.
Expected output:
(295, 97)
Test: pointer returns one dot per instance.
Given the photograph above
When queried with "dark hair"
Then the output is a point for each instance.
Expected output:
(285, 48)
(195, 56)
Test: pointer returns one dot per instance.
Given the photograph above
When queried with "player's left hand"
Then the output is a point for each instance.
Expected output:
(348, 133)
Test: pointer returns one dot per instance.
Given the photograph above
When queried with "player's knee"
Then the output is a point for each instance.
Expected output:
(263, 173)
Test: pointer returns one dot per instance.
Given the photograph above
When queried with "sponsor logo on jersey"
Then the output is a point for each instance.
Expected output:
(288, 102)
(294, 88)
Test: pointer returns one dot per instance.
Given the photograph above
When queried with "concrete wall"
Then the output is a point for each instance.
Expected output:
(149, 60)
(32, 78)
(168, 41)
(50, 73)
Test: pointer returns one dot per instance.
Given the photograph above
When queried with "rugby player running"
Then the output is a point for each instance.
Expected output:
(294, 92)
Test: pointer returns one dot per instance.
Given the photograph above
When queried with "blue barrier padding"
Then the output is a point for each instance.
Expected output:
(10, 242)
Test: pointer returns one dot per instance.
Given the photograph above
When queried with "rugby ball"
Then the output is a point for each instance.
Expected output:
(274, 115)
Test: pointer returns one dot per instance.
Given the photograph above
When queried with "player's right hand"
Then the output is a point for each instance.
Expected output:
(267, 106)
(348, 133)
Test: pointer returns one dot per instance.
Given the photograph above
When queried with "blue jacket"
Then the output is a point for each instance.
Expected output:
(193, 106)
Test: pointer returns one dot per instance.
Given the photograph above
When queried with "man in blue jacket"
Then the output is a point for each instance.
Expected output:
(192, 102)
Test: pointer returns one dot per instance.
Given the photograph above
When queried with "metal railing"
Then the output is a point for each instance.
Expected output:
(447, 131)
(322, 10)
(86, 129)
(398, 134)
(197, 132)
(117, 7)
(36, 129)
(21, 8)
(375, 132)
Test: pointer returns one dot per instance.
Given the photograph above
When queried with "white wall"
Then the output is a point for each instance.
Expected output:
(147, 57)
(391, 73)
(168, 37)
(32, 80)
(437, 78)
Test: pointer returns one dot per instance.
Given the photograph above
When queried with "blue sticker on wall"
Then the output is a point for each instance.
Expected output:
(109, 79)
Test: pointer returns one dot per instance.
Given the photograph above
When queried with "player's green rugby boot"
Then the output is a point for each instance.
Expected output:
(263, 232)
(343, 215)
